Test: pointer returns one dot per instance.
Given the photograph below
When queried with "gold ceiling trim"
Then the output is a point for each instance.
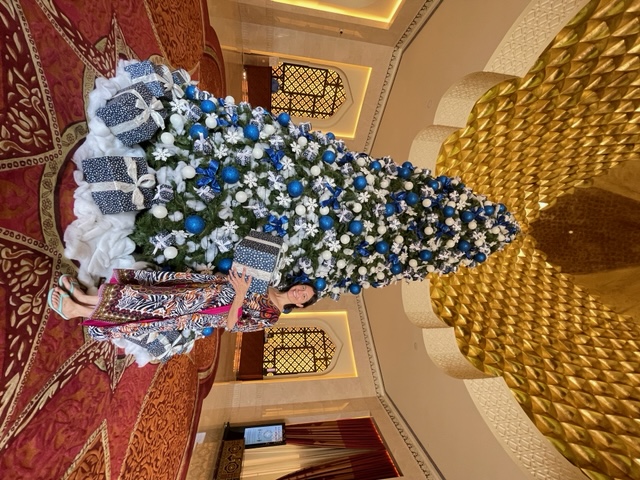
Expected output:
(570, 361)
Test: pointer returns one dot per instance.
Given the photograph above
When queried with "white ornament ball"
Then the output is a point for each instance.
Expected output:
(479, 243)
(229, 100)
(408, 185)
(315, 170)
(369, 239)
(159, 211)
(450, 244)
(341, 264)
(380, 275)
(362, 270)
(302, 141)
(449, 221)
(428, 230)
(431, 268)
(370, 179)
(501, 238)
(300, 210)
(361, 162)
(170, 252)
(257, 153)
(413, 263)
(357, 208)
(495, 230)
(426, 202)
(384, 183)
(269, 130)
(326, 255)
(188, 172)
(463, 197)
(324, 210)
(451, 204)
(211, 122)
(285, 247)
(473, 225)
(399, 239)
(382, 229)
(241, 196)
(177, 121)
(167, 138)
(345, 239)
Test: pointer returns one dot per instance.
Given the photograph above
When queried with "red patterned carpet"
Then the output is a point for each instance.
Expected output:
(71, 407)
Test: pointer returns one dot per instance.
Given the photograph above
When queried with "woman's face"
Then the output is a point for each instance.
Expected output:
(299, 294)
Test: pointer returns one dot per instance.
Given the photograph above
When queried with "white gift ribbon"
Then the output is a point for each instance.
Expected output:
(148, 111)
(145, 181)
(177, 88)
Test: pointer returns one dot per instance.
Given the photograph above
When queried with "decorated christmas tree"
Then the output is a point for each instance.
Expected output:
(348, 221)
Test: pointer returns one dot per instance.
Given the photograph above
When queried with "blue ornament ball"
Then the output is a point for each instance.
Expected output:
(320, 284)
(464, 246)
(489, 209)
(325, 222)
(197, 129)
(448, 211)
(382, 247)
(433, 183)
(389, 209)
(284, 119)
(355, 288)
(480, 257)
(206, 331)
(408, 165)
(194, 224)
(425, 255)
(404, 172)
(252, 132)
(502, 208)
(295, 188)
(224, 264)
(396, 268)
(360, 182)
(375, 166)
(356, 227)
(331, 136)
(412, 198)
(230, 174)
(207, 106)
(190, 92)
(467, 216)
(328, 156)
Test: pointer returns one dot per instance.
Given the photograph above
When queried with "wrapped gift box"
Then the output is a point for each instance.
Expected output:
(259, 253)
(119, 184)
(157, 78)
(162, 346)
(133, 115)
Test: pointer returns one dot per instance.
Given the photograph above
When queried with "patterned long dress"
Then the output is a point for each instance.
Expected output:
(139, 302)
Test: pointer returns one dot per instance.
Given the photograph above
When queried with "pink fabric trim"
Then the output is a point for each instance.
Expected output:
(217, 310)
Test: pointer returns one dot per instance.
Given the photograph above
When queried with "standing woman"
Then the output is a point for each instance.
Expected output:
(139, 302)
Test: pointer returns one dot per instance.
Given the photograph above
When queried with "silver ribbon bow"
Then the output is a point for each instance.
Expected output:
(147, 180)
(148, 111)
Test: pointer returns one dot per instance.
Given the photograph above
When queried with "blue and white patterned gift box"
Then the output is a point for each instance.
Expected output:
(133, 115)
(157, 78)
(119, 184)
(259, 253)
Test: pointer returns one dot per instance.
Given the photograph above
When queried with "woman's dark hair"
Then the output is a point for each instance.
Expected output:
(290, 306)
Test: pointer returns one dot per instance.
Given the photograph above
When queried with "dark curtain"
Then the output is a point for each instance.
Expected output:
(354, 434)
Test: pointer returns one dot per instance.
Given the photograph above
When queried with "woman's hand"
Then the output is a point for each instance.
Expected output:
(240, 282)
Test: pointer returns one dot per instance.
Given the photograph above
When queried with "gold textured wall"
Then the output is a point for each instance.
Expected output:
(572, 363)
